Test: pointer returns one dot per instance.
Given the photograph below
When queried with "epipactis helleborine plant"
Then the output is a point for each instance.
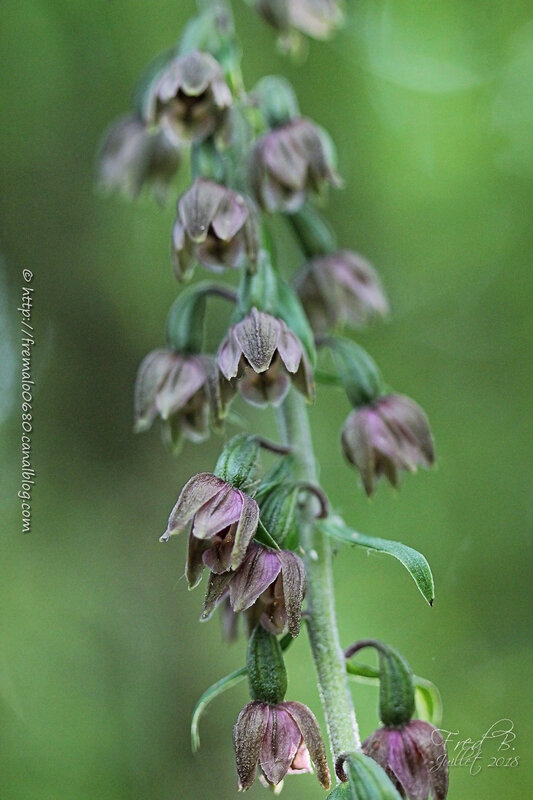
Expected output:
(265, 537)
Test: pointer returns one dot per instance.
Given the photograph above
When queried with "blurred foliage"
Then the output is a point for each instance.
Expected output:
(102, 658)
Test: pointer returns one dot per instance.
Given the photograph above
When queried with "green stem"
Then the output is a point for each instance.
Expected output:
(322, 622)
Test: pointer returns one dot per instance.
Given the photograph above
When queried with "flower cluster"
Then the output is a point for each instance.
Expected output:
(249, 156)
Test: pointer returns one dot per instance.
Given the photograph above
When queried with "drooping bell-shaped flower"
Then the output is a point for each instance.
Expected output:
(289, 163)
(189, 97)
(340, 289)
(414, 758)
(264, 355)
(280, 739)
(131, 157)
(316, 18)
(273, 582)
(222, 520)
(390, 435)
(216, 227)
(175, 388)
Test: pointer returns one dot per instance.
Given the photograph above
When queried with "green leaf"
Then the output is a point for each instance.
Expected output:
(428, 701)
(214, 691)
(414, 562)
(427, 697)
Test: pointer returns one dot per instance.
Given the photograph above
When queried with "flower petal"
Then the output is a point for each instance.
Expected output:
(294, 582)
(248, 735)
(246, 529)
(258, 336)
(280, 744)
(310, 731)
(259, 569)
(218, 513)
(197, 491)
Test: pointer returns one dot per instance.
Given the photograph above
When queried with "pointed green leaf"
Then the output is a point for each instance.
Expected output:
(414, 562)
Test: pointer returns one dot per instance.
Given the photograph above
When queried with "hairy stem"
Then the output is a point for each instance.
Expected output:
(322, 622)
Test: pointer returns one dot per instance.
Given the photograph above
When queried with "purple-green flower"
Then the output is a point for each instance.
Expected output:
(288, 164)
(175, 388)
(131, 156)
(222, 521)
(392, 434)
(340, 289)
(316, 18)
(264, 355)
(279, 739)
(271, 585)
(216, 227)
(414, 758)
(189, 97)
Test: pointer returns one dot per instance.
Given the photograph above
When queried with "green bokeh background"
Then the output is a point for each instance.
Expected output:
(101, 655)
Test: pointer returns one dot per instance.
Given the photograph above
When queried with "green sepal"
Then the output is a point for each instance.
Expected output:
(238, 462)
(367, 780)
(414, 562)
(276, 100)
(314, 234)
(358, 372)
(267, 675)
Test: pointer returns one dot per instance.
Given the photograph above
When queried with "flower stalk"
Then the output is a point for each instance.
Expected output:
(321, 617)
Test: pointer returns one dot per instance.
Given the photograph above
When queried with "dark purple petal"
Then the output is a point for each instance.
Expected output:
(259, 569)
(269, 387)
(181, 384)
(248, 735)
(246, 529)
(152, 373)
(294, 582)
(229, 355)
(258, 336)
(197, 491)
(198, 206)
(218, 513)
(195, 562)
(217, 590)
(312, 737)
(279, 746)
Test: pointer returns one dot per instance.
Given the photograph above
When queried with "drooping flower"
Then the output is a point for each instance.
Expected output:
(340, 289)
(131, 157)
(274, 582)
(390, 435)
(189, 97)
(289, 163)
(414, 758)
(281, 739)
(215, 226)
(316, 18)
(222, 520)
(263, 354)
(175, 388)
